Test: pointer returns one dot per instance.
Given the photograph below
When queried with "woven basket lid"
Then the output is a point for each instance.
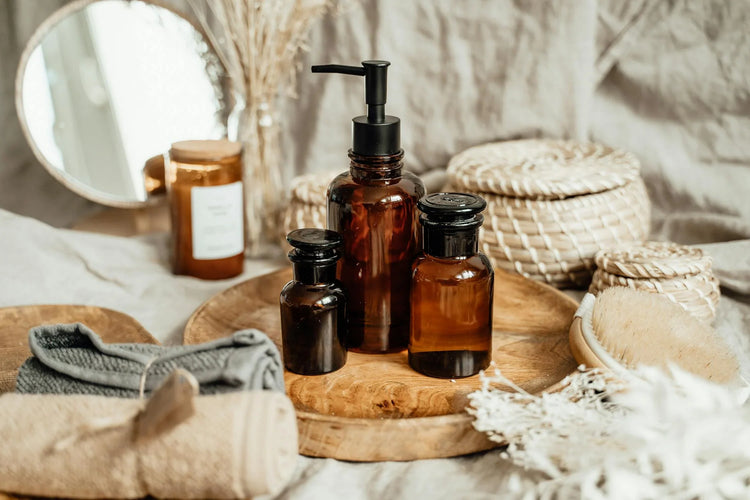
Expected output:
(653, 259)
(312, 188)
(542, 169)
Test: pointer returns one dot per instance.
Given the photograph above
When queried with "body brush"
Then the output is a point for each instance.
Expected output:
(622, 328)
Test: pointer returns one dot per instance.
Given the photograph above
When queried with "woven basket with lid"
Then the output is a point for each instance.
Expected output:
(680, 273)
(307, 206)
(553, 204)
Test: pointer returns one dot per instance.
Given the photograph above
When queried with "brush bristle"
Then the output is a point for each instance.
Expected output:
(642, 328)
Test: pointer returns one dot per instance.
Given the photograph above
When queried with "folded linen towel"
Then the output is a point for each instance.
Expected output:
(72, 359)
(235, 445)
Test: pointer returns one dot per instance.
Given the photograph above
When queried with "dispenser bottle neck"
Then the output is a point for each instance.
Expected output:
(450, 244)
(373, 168)
(309, 273)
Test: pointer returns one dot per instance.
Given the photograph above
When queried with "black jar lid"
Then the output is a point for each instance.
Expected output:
(459, 210)
(314, 245)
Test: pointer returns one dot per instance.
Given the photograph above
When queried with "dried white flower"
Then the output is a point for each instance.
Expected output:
(664, 436)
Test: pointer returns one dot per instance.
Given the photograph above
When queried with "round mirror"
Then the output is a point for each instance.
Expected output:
(105, 85)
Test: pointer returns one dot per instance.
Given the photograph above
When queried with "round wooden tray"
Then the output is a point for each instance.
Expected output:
(376, 407)
(15, 322)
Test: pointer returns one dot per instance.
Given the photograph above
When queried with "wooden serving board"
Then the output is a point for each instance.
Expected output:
(376, 407)
(15, 323)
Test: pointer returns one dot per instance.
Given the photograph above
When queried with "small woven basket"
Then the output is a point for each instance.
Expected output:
(681, 273)
(551, 205)
(307, 206)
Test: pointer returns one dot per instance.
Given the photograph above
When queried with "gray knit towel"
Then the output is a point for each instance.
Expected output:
(72, 359)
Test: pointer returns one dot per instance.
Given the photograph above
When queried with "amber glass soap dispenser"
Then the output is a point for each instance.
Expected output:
(313, 305)
(373, 207)
(451, 290)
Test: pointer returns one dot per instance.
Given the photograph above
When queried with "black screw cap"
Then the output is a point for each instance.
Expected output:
(451, 207)
(314, 245)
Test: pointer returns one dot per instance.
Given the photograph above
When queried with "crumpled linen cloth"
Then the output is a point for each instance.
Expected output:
(72, 359)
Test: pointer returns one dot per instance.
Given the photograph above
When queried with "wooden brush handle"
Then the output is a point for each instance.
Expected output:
(580, 349)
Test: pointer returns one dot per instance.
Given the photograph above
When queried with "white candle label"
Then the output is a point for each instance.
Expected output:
(218, 224)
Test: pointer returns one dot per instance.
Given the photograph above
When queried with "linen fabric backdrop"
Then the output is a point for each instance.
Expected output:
(666, 80)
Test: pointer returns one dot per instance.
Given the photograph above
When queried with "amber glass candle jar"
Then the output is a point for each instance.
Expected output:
(153, 176)
(451, 290)
(204, 186)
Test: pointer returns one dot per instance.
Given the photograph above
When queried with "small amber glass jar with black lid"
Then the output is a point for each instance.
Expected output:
(313, 305)
(451, 290)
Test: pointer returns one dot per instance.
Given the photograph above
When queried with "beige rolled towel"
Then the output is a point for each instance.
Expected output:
(235, 445)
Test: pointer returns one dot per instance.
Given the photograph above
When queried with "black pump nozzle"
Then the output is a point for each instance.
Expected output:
(376, 133)
(376, 84)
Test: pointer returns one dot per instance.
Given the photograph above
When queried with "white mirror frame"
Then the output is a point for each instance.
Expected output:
(68, 181)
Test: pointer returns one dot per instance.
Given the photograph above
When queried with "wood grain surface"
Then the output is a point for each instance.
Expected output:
(378, 408)
(15, 322)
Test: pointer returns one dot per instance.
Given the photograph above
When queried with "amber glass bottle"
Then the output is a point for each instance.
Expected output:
(313, 305)
(451, 290)
(373, 206)
(204, 187)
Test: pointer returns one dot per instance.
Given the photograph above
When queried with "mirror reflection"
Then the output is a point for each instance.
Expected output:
(111, 85)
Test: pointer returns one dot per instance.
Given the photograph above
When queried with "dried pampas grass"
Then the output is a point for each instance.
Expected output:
(258, 42)
(668, 436)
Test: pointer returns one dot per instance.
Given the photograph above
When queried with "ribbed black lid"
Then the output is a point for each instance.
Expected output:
(450, 223)
(374, 134)
(452, 209)
(314, 245)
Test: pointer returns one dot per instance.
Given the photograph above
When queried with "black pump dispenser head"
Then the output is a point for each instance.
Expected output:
(375, 134)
